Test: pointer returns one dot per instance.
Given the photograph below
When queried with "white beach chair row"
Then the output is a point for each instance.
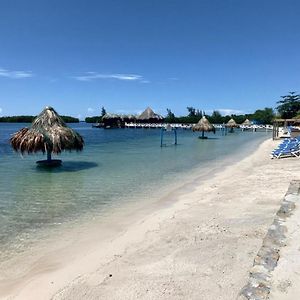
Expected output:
(157, 125)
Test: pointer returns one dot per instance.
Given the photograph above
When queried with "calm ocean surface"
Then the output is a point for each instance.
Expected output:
(117, 166)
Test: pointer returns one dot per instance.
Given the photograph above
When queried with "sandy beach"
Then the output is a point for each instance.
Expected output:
(200, 244)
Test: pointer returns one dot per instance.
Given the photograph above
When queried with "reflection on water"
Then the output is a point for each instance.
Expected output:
(116, 166)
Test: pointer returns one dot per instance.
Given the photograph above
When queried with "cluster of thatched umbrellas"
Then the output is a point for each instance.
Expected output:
(204, 126)
(48, 134)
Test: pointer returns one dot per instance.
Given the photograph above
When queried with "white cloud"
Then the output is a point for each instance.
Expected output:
(90, 110)
(15, 74)
(1, 110)
(230, 111)
(89, 76)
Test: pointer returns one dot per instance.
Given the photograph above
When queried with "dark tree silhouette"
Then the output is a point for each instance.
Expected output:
(289, 105)
(103, 111)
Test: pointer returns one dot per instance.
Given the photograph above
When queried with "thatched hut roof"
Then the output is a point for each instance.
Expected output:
(111, 116)
(149, 114)
(48, 133)
(203, 125)
(246, 123)
(231, 123)
(130, 117)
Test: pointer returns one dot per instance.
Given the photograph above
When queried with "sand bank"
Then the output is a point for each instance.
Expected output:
(199, 246)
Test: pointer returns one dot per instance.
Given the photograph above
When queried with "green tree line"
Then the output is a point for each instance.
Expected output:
(287, 107)
(260, 116)
(29, 119)
(95, 119)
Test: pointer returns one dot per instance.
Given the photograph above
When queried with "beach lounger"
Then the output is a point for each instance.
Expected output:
(281, 153)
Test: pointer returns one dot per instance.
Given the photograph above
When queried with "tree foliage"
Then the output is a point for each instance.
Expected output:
(216, 117)
(170, 118)
(289, 105)
(191, 111)
(17, 119)
(103, 111)
(95, 119)
(263, 116)
(260, 116)
(29, 119)
(69, 119)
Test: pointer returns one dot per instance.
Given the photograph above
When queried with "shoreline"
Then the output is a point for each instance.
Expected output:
(141, 201)
(87, 262)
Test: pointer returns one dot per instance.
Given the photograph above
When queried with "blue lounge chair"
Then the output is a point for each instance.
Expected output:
(286, 152)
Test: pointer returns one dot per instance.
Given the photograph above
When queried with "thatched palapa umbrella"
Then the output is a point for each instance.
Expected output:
(231, 124)
(203, 125)
(48, 133)
(246, 123)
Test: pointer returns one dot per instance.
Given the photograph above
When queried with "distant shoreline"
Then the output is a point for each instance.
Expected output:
(29, 119)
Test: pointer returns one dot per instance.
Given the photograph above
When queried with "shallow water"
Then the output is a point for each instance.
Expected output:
(117, 166)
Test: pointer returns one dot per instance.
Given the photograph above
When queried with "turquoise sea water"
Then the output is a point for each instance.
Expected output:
(117, 166)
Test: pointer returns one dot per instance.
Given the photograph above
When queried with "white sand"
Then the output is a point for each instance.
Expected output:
(200, 246)
(286, 276)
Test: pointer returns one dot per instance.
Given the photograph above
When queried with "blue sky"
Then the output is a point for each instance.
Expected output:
(78, 56)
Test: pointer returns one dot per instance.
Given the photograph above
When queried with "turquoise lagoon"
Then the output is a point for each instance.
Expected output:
(116, 167)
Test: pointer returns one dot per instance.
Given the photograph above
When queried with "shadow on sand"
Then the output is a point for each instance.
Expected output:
(68, 166)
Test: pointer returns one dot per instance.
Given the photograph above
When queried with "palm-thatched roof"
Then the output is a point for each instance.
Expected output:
(203, 125)
(48, 133)
(231, 123)
(246, 123)
(130, 117)
(111, 116)
(149, 114)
